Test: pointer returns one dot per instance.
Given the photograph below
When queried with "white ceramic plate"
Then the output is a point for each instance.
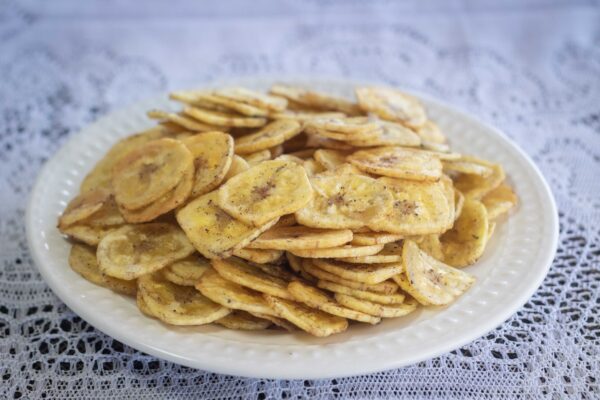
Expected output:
(511, 269)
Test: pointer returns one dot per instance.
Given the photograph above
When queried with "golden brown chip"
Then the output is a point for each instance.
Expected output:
(218, 118)
(183, 121)
(393, 298)
(213, 232)
(187, 271)
(207, 99)
(107, 216)
(135, 250)
(367, 273)
(241, 320)
(339, 252)
(301, 237)
(270, 135)
(91, 235)
(257, 99)
(350, 125)
(391, 253)
(398, 162)
(83, 206)
(476, 187)
(82, 260)
(212, 153)
(303, 116)
(392, 105)
(250, 276)
(315, 322)
(466, 241)
(178, 305)
(258, 256)
(376, 309)
(266, 191)
(285, 220)
(390, 134)
(499, 201)
(141, 303)
(375, 238)
(314, 99)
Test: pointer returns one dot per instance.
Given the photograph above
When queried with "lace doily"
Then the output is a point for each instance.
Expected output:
(529, 68)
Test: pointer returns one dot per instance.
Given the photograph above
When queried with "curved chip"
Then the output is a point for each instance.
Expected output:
(499, 201)
(466, 241)
(212, 153)
(430, 132)
(149, 172)
(315, 298)
(430, 281)
(468, 165)
(392, 105)
(304, 115)
(107, 216)
(250, 276)
(254, 98)
(315, 322)
(256, 158)
(476, 187)
(91, 235)
(187, 271)
(326, 143)
(314, 99)
(301, 237)
(178, 305)
(375, 238)
(350, 125)
(207, 99)
(330, 159)
(340, 136)
(312, 167)
(269, 136)
(135, 250)
(241, 320)
(391, 253)
(339, 252)
(213, 232)
(266, 191)
(83, 206)
(376, 309)
(218, 118)
(82, 259)
(390, 134)
(398, 162)
(392, 298)
(367, 273)
(238, 165)
(432, 245)
(259, 256)
(183, 121)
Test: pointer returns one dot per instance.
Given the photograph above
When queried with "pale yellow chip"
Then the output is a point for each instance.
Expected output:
(340, 136)
(466, 241)
(250, 276)
(257, 99)
(213, 232)
(82, 260)
(207, 99)
(184, 121)
(345, 201)
(469, 165)
(450, 194)
(178, 305)
(141, 303)
(266, 191)
(256, 158)
(376, 309)
(315, 322)
(392, 105)
(259, 256)
(314, 99)
(386, 287)
(339, 252)
(241, 320)
(368, 238)
(330, 159)
(107, 216)
(499, 201)
(290, 158)
(169, 201)
(212, 153)
(430, 281)
(270, 135)
(231, 295)
(418, 208)
(312, 167)
(315, 298)
(391, 253)
(398, 162)
(326, 143)
(278, 322)
(150, 171)
(285, 220)
(303, 116)
(218, 118)
(432, 245)
(476, 187)
(393, 298)
(390, 134)
(238, 165)
(301, 237)
(83, 206)
(459, 202)
(367, 273)
(349, 125)
(135, 250)
(91, 235)
(491, 229)
(431, 132)
(187, 271)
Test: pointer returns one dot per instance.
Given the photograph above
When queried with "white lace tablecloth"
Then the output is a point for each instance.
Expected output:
(531, 68)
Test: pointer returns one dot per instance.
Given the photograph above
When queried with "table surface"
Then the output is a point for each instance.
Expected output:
(530, 68)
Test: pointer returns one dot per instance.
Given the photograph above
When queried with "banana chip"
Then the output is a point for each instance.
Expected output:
(183, 121)
(266, 191)
(178, 305)
(392, 105)
(301, 237)
(390, 134)
(213, 154)
(83, 206)
(393, 298)
(214, 233)
(257, 99)
(391, 253)
(475, 186)
(206, 99)
(430, 281)
(376, 309)
(256, 158)
(315, 322)
(367, 273)
(432, 245)
(82, 260)
(107, 216)
(397, 162)
(430, 132)
(315, 298)
(369, 238)
(330, 159)
(135, 250)
(499, 201)
(218, 118)
(141, 303)
(315, 99)
(348, 125)
(250, 276)
(238, 165)
(326, 143)
(270, 135)
(188, 271)
(341, 136)
(312, 167)
(241, 320)
(258, 256)
(465, 242)
(91, 235)
(339, 252)
(468, 165)
(303, 116)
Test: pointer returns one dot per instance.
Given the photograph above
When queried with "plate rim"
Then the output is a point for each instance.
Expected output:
(349, 370)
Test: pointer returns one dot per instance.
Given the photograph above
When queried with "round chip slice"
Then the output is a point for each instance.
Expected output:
(315, 99)
(326, 143)
(91, 235)
(183, 121)
(339, 252)
(376, 309)
(241, 320)
(207, 99)
(270, 135)
(301, 237)
(256, 158)
(312, 167)
(149, 172)
(188, 271)
(466, 241)
(214, 233)
(212, 153)
(350, 125)
(391, 253)
(266, 191)
(398, 162)
(330, 159)
(390, 134)
(259, 256)
(429, 280)
(430, 132)
(341, 136)
(257, 99)
(392, 105)
(83, 206)
(136, 250)
(499, 201)
(238, 165)
(393, 298)
(375, 238)
(82, 260)
(367, 273)
(218, 118)
(476, 187)
(178, 305)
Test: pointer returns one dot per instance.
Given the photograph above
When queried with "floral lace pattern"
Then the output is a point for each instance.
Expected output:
(539, 85)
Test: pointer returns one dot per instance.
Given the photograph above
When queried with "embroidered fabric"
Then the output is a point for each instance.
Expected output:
(531, 68)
